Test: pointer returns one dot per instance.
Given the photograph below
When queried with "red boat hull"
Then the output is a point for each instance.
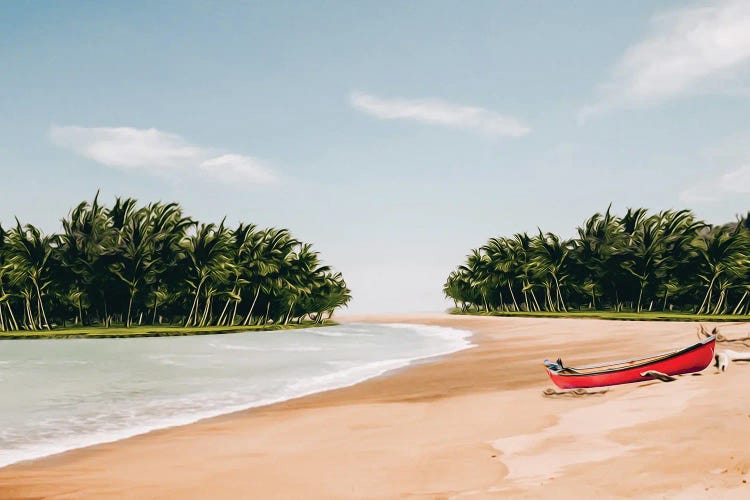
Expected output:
(689, 360)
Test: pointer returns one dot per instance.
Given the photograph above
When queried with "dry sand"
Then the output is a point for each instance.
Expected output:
(470, 425)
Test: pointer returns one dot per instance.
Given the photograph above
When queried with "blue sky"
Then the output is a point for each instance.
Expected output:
(393, 135)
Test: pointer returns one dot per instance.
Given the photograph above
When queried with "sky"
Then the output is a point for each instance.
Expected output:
(395, 136)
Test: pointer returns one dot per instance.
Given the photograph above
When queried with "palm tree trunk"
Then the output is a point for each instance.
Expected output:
(268, 308)
(640, 297)
(198, 314)
(719, 303)
(29, 316)
(41, 306)
(286, 321)
(230, 321)
(708, 295)
(550, 304)
(252, 306)
(559, 294)
(106, 313)
(24, 320)
(515, 304)
(156, 304)
(38, 319)
(205, 312)
(130, 307)
(210, 318)
(562, 301)
(223, 312)
(195, 303)
(12, 316)
(737, 309)
(533, 296)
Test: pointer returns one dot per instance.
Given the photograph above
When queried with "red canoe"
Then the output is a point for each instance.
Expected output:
(688, 360)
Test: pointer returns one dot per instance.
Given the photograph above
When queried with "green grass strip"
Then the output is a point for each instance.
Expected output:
(100, 332)
(617, 316)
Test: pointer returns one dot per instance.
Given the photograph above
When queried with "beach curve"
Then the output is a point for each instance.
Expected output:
(429, 430)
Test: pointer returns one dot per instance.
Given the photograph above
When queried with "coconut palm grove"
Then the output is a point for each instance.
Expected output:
(151, 264)
(667, 261)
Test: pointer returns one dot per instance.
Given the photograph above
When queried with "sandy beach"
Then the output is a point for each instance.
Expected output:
(474, 424)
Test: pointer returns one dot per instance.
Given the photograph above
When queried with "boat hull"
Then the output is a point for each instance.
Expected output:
(692, 359)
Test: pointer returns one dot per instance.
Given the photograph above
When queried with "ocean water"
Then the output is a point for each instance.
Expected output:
(57, 395)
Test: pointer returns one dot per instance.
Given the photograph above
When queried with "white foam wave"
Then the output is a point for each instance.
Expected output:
(345, 373)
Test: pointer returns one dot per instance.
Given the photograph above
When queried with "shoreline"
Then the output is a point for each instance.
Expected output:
(177, 421)
(472, 423)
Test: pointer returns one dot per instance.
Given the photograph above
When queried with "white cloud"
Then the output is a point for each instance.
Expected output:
(158, 153)
(698, 194)
(434, 111)
(736, 181)
(692, 49)
(730, 183)
(232, 168)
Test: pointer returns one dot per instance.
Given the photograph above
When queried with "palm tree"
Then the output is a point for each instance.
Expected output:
(262, 267)
(667, 260)
(597, 257)
(86, 251)
(129, 261)
(679, 255)
(478, 269)
(521, 257)
(723, 255)
(167, 278)
(503, 266)
(241, 244)
(458, 288)
(134, 259)
(551, 260)
(28, 254)
(645, 254)
(329, 293)
(303, 275)
(208, 259)
(6, 322)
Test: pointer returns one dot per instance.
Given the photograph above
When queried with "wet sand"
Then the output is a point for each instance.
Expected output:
(470, 425)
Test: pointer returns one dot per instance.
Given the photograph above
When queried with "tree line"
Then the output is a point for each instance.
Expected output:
(667, 261)
(151, 264)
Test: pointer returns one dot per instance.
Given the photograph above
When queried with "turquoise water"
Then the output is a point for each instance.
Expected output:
(56, 395)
